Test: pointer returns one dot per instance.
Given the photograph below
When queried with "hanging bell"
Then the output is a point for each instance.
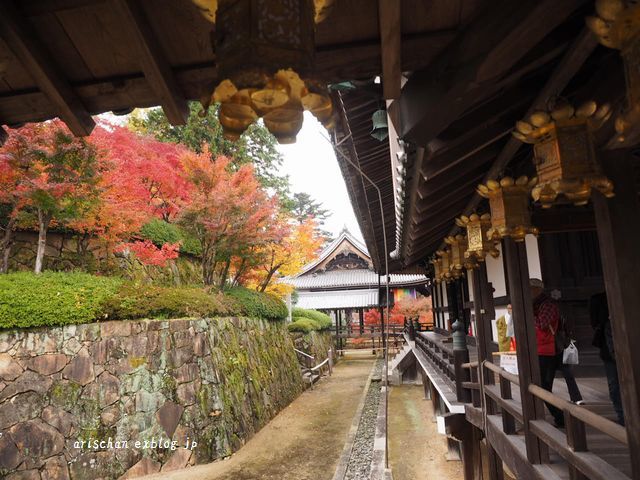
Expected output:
(380, 129)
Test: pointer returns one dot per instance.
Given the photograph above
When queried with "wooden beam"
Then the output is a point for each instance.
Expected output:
(154, 65)
(618, 221)
(24, 43)
(569, 65)
(433, 98)
(389, 19)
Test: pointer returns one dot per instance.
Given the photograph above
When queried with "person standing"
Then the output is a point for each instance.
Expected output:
(603, 339)
(563, 337)
(546, 320)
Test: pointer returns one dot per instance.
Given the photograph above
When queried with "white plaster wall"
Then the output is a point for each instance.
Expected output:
(495, 274)
(533, 257)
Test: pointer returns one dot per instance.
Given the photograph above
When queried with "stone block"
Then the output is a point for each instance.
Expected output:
(115, 328)
(147, 401)
(39, 439)
(179, 356)
(58, 419)
(72, 346)
(55, 468)
(24, 475)
(22, 407)
(178, 325)
(9, 368)
(48, 363)
(186, 393)
(168, 417)
(28, 381)
(186, 373)
(200, 346)
(146, 466)
(109, 389)
(10, 456)
(80, 369)
(179, 459)
(110, 416)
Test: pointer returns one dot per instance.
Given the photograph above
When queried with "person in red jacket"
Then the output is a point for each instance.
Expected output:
(547, 319)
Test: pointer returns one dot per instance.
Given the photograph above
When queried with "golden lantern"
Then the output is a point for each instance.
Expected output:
(478, 243)
(261, 49)
(565, 155)
(445, 264)
(459, 263)
(509, 203)
(437, 269)
(617, 25)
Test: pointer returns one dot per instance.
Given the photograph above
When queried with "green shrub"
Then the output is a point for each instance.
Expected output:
(258, 304)
(160, 232)
(304, 325)
(52, 298)
(149, 301)
(322, 319)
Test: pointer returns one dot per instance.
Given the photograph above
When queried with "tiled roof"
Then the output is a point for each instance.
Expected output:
(351, 278)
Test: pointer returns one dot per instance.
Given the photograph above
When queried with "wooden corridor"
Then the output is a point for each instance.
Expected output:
(597, 452)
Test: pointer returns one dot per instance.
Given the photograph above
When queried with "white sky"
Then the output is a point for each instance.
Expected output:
(312, 168)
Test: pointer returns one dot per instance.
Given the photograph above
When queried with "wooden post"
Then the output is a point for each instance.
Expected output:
(515, 255)
(618, 223)
(485, 312)
(460, 356)
(361, 313)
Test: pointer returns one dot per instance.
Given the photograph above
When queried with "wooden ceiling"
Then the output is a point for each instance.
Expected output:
(457, 113)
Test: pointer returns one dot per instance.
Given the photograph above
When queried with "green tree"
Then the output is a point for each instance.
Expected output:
(304, 207)
(256, 146)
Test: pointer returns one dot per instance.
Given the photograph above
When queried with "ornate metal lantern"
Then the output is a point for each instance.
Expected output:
(565, 155)
(262, 47)
(478, 243)
(509, 202)
(445, 263)
(437, 269)
(459, 263)
(617, 25)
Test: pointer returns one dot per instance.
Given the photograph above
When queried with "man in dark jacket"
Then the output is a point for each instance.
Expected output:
(603, 339)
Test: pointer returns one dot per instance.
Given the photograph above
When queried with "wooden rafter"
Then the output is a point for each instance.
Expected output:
(22, 40)
(389, 19)
(154, 65)
(424, 94)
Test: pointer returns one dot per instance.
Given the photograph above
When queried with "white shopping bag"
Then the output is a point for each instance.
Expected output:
(570, 354)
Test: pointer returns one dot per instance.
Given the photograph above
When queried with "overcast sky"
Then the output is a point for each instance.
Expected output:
(312, 168)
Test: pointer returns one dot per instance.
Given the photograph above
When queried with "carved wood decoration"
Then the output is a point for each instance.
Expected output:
(509, 202)
(565, 156)
(347, 261)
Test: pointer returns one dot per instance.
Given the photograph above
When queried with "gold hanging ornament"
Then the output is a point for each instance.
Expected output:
(262, 47)
(478, 244)
(509, 202)
(565, 155)
(437, 269)
(445, 264)
(459, 263)
(617, 25)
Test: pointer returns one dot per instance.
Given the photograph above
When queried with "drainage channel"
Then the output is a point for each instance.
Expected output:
(359, 449)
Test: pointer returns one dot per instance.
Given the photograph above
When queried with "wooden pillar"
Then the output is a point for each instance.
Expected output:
(361, 313)
(471, 453)
(515, 255)
(618, 224)
(484, 311)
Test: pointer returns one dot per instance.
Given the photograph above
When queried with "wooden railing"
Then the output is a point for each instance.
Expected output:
(309, 362)
(497, 385)
(572, 445)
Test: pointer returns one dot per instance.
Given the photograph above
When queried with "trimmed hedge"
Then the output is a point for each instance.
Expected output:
(52, 298)
(304, 325)
(258, 304)
(149, 301)
(321, 319)
(62, 298)
(160, 232)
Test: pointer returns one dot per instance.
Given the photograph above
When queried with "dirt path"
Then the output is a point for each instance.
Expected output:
(303, 442)
(416, 449)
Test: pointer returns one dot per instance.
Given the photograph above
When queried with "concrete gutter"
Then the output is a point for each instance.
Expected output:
(378, 469)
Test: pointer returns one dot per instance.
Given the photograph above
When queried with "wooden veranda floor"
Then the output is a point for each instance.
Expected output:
(594, 391)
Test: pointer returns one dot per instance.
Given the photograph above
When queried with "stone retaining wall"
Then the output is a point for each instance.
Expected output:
(314, 343)
(214, 381)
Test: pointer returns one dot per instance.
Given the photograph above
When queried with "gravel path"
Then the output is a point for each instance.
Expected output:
(360, 461)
